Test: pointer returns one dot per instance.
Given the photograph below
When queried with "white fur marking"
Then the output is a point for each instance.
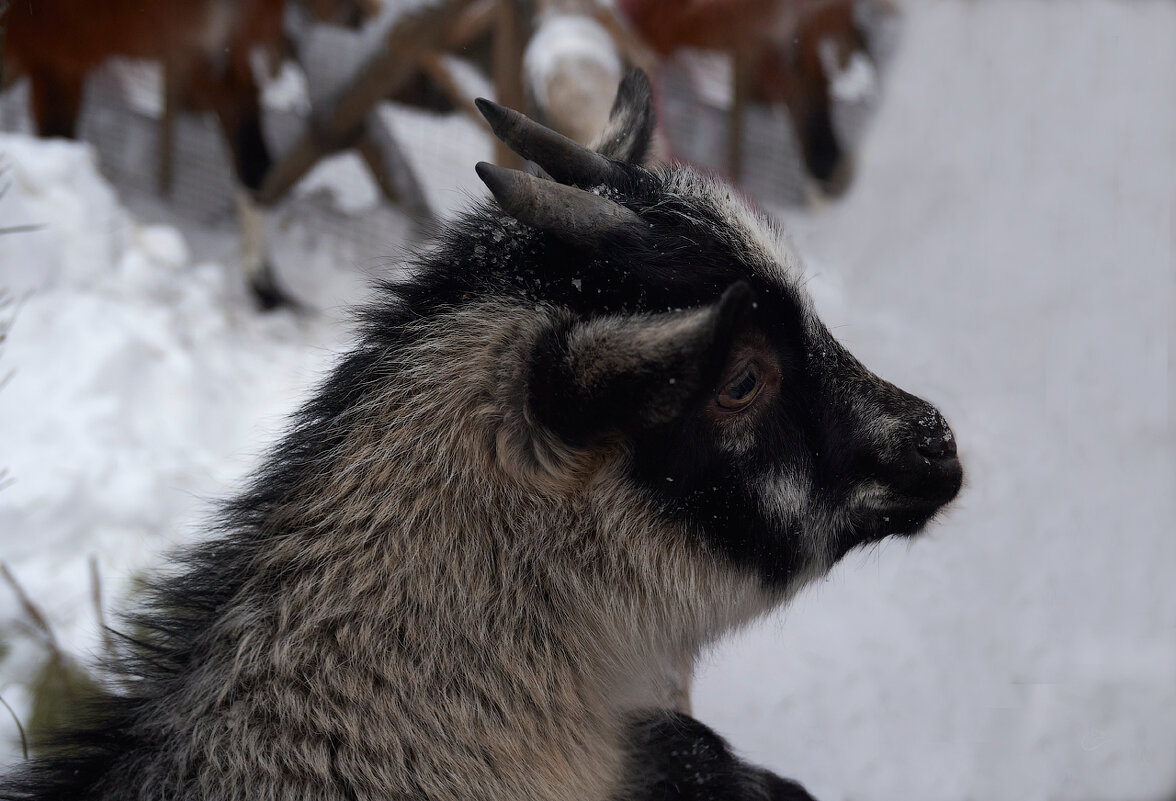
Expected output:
(572, 67)
(857, 83)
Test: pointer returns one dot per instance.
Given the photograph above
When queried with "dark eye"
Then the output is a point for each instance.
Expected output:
(741, 390)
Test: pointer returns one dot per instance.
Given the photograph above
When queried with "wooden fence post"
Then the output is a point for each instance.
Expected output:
(166, 143)
(341, 123)
(3, 32)
(510, 37)
(740, 79)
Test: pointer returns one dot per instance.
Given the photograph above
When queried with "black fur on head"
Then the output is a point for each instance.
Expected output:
(674, 291)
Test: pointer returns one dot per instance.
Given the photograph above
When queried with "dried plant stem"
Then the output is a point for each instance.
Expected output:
(24, 741)
(96, 597)
(30, 609)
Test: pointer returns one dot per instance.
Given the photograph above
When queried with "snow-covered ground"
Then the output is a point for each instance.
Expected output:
(1009, 252)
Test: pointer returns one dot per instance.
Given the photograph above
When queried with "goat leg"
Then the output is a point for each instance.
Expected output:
(676, 758)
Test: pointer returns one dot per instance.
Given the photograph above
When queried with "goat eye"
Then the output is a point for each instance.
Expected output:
(741, 390)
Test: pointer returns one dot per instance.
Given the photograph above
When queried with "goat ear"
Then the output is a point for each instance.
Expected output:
(630, 126)
(629, 374)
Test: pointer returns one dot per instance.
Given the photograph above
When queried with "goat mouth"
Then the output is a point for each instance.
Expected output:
(909, 507)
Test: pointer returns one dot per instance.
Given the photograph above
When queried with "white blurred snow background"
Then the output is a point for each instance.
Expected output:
(1008, 251)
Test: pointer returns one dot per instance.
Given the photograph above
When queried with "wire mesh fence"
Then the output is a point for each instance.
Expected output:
(342, 212)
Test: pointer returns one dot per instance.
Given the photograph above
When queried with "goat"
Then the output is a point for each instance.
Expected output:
(599, 426)
(799, 54)
(795, 53)
(205, 46)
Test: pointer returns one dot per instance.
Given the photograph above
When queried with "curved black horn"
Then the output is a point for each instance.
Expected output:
(567, 212)
(566, 161)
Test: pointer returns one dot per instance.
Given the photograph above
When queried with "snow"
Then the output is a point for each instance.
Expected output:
(1008, 251)
(345, 180)
(568, 43)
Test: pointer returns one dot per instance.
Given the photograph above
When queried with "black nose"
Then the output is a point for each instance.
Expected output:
(933, 437)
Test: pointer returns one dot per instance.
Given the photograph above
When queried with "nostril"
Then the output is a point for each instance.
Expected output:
(934, 438)
(941, 447)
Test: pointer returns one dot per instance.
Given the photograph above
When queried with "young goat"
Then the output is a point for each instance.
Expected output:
(206, 46)
(598, 428)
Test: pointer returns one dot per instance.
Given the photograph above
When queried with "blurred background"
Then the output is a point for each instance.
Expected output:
(983, 193)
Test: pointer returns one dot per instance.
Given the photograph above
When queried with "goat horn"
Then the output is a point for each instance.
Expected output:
(565, 211)
(566, 161)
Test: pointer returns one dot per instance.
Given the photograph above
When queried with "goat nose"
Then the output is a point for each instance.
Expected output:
(933, 436)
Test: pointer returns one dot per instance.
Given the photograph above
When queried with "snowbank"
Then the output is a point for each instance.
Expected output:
(139, 386)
